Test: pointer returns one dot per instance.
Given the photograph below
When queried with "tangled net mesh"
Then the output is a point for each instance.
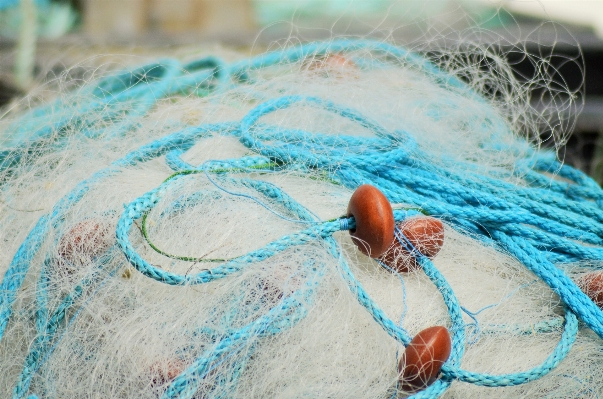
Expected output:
(172, 231)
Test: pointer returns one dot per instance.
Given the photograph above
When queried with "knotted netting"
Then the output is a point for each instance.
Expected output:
(180, 230)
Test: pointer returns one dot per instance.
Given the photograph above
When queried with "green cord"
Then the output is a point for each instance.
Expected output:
(145, 233)
(184, 258)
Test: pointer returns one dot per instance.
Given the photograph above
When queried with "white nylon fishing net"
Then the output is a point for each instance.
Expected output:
(125, 335)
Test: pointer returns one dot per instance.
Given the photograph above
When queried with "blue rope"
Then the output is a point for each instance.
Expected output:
(541, 223)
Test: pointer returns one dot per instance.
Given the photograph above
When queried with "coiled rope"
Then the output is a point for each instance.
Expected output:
(540, 226)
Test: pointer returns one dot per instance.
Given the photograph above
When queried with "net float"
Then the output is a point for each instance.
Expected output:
(426, 234)
(332, 65)
(423, 358)
(592, 285)
(374, 231)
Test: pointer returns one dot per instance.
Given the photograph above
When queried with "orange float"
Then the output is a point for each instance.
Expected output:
(423, 358)
(425, 233)
(592, 285)
(374, 232)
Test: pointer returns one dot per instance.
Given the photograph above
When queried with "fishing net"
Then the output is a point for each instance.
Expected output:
(181, 229)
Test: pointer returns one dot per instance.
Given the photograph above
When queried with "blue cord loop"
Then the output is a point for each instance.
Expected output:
(541, 222)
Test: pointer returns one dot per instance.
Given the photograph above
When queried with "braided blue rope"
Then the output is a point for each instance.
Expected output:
(540, 224)
(47, 324)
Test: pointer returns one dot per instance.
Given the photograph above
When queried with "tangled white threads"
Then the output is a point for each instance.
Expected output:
(129, 336)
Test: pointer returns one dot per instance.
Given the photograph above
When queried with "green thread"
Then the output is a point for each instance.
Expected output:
(145, 233)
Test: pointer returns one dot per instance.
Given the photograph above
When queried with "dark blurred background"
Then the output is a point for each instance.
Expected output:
(40, 38)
